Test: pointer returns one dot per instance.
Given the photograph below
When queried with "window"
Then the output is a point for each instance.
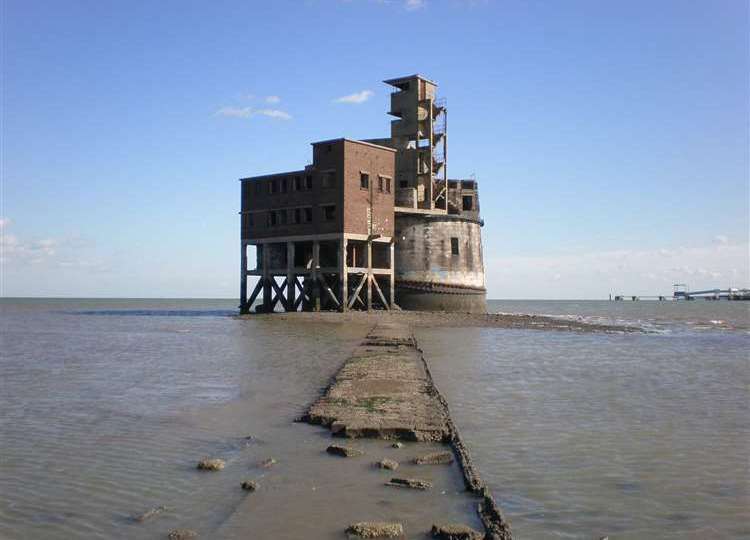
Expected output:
(308, 182)
(452, 184)
(282, 217)
(387, 185)
(381, 184)
(297, 183)
(250, 220)
(454, 246)
(403, 183)
(297, 216)
(283, 185)
(364, 181)
(329, 180)
(271, 218)
(258, 187)
(308, 214)
(468, 202)
(329, 212)
(273, 186)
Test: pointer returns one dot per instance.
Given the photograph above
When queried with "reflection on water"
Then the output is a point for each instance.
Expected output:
(579, 435)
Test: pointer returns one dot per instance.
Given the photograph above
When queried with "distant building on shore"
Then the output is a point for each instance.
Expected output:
(375, 223)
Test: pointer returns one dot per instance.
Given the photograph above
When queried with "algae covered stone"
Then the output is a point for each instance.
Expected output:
(375, 529)
(455, 532)
(250, 485)
(343, 451)
(387, 464)
(211, 464)
(413, 483)
(182, 534)
(435, 458)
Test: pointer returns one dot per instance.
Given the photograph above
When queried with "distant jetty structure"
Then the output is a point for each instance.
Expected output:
(681, 292)
(374, 223)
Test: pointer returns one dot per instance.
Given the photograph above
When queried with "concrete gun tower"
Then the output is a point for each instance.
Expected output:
(371, 224)
(438, 237)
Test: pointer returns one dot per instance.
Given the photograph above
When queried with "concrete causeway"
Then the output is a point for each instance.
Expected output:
(385, 391)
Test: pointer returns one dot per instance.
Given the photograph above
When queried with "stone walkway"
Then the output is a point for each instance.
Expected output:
(385, 391)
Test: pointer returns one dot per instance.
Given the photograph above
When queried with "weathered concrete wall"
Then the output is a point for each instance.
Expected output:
(430, 275)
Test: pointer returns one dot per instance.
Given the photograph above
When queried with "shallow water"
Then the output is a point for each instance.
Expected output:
(108, 405)
(586, 435)
(105, 406)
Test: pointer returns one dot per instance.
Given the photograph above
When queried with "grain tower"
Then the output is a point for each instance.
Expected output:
(373, 223)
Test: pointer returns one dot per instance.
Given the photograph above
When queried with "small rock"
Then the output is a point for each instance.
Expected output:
(387, 464)
(413, 483)
(181, 534)
(374, 529)
(250, 485)
(211, 464)
(267, 463)
(148, 514)
(397, 445)
(435, 458)
(343, 451)
(455, 532)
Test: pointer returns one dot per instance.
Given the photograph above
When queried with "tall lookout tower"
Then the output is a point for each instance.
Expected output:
(438, 235)
(374, 223)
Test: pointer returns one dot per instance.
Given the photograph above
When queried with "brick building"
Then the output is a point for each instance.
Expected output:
(325, 230)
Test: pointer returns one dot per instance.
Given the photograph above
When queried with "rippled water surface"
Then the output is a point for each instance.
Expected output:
(105, 405)
(586, 435)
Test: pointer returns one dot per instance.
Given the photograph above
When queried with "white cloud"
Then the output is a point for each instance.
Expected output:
(235, 112)
(411, 5)
(273, 99)
(274, 113)
(249, 112)
(357, 97)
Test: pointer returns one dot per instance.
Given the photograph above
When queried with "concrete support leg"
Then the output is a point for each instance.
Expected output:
(266, 277)
(290, 277)
(314, 275)
(369, 275)
(243, 278)
(343, 275)
(392, 277)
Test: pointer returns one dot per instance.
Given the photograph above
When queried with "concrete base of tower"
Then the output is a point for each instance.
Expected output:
(417, 300)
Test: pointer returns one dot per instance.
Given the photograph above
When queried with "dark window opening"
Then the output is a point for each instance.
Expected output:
(258, 187)
(452, 185)
(387, 185)
(297, 215)
(454, 246)
(329, 147)
(468, 202)
(329, 212)
(403, 183)
(282, 217)
(297, 183)
(329, 180)
(271, 218)
(308, 214)
(364, 181)
(284, 185)
(273, 186)
(250, 220)
(308, 182)
(381, 184)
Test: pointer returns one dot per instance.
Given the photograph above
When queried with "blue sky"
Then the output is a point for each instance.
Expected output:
(610, 139)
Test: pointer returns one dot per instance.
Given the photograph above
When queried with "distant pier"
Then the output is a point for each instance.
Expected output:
(681, 292)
